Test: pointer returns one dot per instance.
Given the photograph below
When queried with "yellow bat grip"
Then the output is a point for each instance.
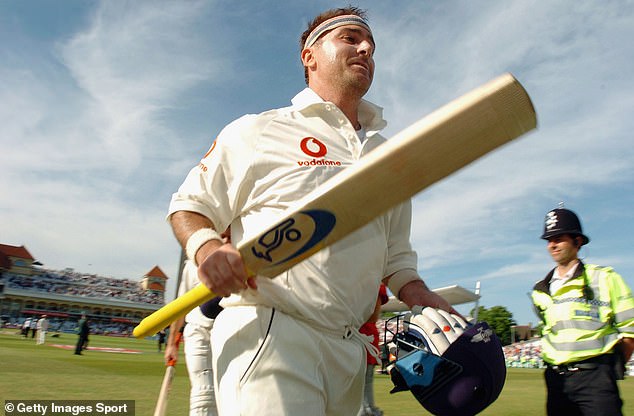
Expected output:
(172, 311)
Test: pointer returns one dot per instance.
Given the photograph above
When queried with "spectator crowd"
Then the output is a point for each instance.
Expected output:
(67, 282)
(67, 325)
(525, 354)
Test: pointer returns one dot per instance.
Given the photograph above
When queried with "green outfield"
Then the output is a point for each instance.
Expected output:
(46, 372)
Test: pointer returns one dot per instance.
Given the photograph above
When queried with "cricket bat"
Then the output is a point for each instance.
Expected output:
(166, 385)
(161, 403)
(424, 153)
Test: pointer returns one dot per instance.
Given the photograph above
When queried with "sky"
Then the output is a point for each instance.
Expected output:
(105, 106)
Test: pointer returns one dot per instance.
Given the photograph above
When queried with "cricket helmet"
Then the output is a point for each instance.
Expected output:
(561, 221)
(462, 380)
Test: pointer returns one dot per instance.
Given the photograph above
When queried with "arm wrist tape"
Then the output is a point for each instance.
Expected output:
(197, 239)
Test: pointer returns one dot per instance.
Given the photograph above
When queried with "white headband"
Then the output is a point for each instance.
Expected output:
(346, 19)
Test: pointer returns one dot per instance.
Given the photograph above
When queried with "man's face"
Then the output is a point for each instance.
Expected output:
(562, 249)
(345, 56)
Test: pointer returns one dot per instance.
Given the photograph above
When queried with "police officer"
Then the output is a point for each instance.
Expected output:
(587, 316)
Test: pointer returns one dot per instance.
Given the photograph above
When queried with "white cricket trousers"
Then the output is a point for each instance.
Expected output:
(267, 363)
(41, 337)
(202, 401)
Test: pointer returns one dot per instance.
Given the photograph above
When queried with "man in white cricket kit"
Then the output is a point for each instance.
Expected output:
(291, 345)
(42, 328)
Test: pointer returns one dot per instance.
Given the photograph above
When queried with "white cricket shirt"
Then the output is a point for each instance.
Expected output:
(260, 165)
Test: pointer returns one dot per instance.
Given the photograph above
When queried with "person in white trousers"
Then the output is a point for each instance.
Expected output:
(42, 328)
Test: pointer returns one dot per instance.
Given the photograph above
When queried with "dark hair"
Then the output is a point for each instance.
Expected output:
(322, 18)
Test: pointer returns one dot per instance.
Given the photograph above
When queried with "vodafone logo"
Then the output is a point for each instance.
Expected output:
(201, 165)
(313, 147)
(211, 149)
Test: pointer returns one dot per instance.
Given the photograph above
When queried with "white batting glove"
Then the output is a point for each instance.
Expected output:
(438, 327)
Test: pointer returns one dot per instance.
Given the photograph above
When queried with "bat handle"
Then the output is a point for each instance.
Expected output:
(172, 311)
(171, 363)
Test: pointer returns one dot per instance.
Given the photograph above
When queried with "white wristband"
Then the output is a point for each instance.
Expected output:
(196, 241)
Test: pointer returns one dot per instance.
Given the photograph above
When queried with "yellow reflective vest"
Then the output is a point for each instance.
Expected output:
(586, 317)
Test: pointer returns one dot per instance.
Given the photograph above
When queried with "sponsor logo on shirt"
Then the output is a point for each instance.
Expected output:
(201, 165)
(211, 149)
(317, 150)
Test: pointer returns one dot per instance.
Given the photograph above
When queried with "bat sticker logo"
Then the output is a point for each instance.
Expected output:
(273, 238)
(287, 231)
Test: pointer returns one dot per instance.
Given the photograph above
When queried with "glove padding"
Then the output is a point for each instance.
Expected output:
(438, 327)
(428, 333)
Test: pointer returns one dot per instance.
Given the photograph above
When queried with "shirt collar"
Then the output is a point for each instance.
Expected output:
(569, 274)
(370, 115)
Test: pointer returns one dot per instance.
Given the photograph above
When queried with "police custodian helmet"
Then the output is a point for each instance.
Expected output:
(561, 221)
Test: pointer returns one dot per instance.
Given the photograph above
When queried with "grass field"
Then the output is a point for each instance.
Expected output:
(45, 372)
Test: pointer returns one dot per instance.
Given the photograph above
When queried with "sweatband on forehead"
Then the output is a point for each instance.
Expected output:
(332, 23)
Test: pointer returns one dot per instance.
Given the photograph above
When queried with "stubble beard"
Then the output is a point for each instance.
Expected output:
(354, 84)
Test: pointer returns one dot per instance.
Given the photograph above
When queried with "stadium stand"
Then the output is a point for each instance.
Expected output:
(525, 354)
(114, 306)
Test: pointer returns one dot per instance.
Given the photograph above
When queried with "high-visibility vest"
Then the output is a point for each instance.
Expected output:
(586, 317)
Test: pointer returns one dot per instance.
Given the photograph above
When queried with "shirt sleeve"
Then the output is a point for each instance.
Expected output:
(622, 305)
(400, 253)
(213, 187)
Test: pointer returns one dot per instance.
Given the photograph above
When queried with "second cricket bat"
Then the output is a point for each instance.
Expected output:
(429, 150)
(161, 403)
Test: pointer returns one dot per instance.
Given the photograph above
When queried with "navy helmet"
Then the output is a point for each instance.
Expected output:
(464, 380)
(562, 221)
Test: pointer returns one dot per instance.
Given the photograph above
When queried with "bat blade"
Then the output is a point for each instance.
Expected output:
(424, 153)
